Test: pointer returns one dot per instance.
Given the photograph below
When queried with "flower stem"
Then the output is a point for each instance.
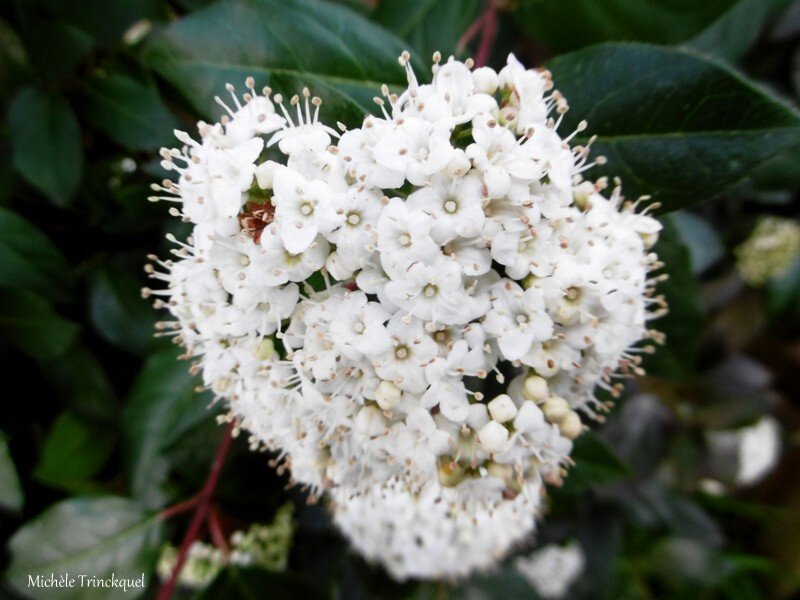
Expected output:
(487, 34)
(215, 528)
(179, 508)
(203, 502)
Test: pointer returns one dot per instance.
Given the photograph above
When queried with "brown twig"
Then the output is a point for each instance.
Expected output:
(215, 528)
(488, 32)
(179, 508)
(203, 502)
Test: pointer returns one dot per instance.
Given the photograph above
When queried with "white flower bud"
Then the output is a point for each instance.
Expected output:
(535, 389)
(493, 437)
(478, 416)
(265, 350)
(265, 173)
(388, 395)
(556, 409)
(335, 267)
(370, 421)
(502, 408)
(571, 426)
(485, 79)
(529, 417)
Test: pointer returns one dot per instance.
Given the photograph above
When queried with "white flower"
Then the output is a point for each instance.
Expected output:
(456, 206)
(517, 318)
(553, 569)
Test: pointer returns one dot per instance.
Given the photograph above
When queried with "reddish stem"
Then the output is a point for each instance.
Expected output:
(204, 500)
(215, 527)
(179, 508)
(487, 34)
(470, 33)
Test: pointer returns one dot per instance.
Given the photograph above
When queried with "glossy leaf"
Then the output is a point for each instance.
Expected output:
(29, 323)
(11, 495)
(91, 536)
(700, 239)
(672, 123)
(73, 452)
(595, 465)
(285, 44)
(162, 406)
(46, 141)
(117, 310)
(683, 324)
(28, 259)
(723, 27)
(428, 25)
(83, 386)
(56, 48)
(130, 112)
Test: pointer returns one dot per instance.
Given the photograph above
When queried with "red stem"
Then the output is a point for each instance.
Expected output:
(215, 527)
(179, 508)
(467, 36)
(204, 500)
(487, 35)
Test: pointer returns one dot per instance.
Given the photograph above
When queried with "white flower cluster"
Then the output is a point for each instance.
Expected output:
(362, 306)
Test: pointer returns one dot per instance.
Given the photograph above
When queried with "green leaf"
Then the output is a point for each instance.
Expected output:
(130, 112)
(11, 496)
(428, 25)
(721, 27)
(700, 239)
(83, 386)
(672, 123)
(28, 259)
(56, 48)
(90, 536)
(46, 142)
(74, 451)
(162, 407)
(285, 44)
(595, 465)
(783, 295)
(117, 310)
(29, 323)
(684, 322)
(250, 583)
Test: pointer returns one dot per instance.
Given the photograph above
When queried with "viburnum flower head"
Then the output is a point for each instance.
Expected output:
(413, 314)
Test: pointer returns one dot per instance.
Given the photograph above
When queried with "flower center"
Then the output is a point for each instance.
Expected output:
(522, 319)
(359, 327)
(353, 218)
(430, 290)
(573, 293)
(306, 208)
(401, 352)
(404, 240)
(450, 206)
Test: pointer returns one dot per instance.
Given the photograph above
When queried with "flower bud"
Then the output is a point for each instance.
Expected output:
(493, 437)
(370, 421)
(529, 417)
(502, 408)
(335, 267)
(571, 426)
(485, 79)
(265, 173)
(388, 395)
(535, 389)
(478, 416)
(556, 409)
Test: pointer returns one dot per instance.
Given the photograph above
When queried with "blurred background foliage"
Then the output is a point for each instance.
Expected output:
(103, 430)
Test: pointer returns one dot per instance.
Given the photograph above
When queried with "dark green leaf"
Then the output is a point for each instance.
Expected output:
(91, 536)
(251, 583)
(117, 310)
(29, 323)
(428, 25)
(672, 123)
(783, 295)
(74, 451)
(130, 112)
(683, 323)
(83, 386)
(285, 44)
(56, 48)
(107, 21)
(721, 27)
(11, 496)
(28, 259)
(595, 465)
(163, 405)
(699, 238)
(46, 140)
